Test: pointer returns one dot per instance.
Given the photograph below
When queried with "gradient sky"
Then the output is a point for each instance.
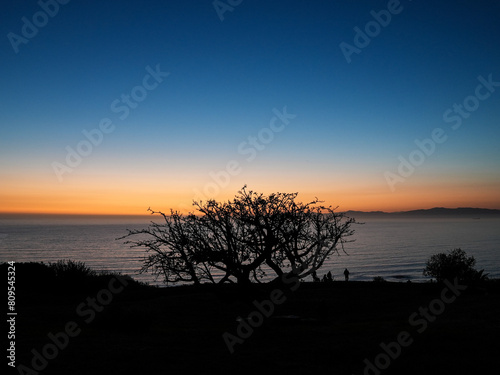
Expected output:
(227, 79)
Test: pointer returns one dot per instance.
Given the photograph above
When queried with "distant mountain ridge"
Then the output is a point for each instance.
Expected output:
(436, 211)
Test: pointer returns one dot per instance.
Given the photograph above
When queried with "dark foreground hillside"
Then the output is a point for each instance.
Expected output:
(337, 328)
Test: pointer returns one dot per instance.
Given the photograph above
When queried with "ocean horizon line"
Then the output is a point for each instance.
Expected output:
(433, 210)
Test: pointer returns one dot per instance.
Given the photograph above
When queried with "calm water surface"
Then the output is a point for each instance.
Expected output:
(395, 249)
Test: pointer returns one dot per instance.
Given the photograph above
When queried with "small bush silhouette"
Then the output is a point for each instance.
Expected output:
(64, 275)
(68, 269)
(455, 264)
(378, 279)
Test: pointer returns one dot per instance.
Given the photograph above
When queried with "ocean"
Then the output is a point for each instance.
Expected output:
(393, 248)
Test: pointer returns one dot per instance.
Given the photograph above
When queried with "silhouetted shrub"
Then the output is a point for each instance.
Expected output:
(71, 269)
(378, 279)
(63, 276)
(455, 264)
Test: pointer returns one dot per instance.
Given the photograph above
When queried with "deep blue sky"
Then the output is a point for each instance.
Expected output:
(353, 119)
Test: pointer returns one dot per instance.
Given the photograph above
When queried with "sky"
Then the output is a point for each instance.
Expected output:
(113, 107)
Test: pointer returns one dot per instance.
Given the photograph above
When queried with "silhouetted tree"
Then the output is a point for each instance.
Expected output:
(455, 264)
(243, 238)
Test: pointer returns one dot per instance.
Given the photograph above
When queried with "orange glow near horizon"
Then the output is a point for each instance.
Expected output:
(118, 196)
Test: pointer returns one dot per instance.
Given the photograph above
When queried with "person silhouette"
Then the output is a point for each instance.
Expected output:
(346, 274)
(329, 277)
